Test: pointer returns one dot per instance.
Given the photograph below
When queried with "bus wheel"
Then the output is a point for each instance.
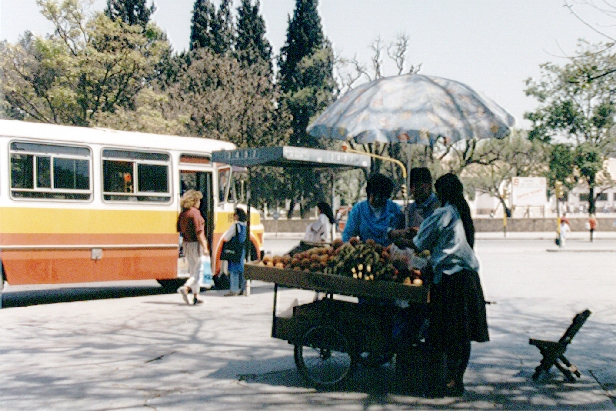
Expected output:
(170, 286)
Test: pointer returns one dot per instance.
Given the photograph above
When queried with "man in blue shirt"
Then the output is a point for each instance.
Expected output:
(375, 217)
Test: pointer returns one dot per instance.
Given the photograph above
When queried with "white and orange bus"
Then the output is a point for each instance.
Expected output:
(87, 204)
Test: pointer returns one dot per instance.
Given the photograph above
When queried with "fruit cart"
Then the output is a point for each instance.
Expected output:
(331, 336)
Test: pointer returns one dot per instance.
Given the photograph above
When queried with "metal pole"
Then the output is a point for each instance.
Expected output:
(333, 227)
(248, 247)
(558, 230)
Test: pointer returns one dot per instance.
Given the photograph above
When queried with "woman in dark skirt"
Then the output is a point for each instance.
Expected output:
(457, 305)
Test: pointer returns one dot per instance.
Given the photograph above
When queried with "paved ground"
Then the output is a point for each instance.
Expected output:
(154, 351)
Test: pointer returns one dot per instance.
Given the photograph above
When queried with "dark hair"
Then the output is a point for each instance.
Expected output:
(241, 214)
(327, 210)
(450, 190)
(420, 175)
(379, 185)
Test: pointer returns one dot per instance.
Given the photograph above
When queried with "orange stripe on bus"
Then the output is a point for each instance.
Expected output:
(69, 266)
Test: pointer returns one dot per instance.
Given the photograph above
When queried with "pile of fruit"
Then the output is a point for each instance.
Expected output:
(366, 261)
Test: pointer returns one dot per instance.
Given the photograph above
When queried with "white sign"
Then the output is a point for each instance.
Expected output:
(528, 191)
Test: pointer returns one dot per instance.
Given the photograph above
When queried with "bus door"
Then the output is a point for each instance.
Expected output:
(201, 181)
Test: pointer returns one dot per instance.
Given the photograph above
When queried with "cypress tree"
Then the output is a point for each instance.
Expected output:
(132, 12)
(306, 70)
(211, 28)
(307, 84)
(222, 28)
(304, 37)
(201, 25)
(251, 46)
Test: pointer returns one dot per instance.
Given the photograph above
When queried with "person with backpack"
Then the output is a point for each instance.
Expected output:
(236, 234)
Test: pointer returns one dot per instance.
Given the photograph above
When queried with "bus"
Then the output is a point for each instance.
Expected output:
(90, 204)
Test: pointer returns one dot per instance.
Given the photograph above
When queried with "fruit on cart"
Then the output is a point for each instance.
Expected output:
(366, 261)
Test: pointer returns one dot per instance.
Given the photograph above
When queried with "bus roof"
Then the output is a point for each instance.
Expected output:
(72, 134)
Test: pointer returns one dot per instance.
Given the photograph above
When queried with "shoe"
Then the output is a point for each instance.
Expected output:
(182, 291)
(231, 294)
(197, 301)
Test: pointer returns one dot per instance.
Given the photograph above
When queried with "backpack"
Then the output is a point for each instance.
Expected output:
(233, 249)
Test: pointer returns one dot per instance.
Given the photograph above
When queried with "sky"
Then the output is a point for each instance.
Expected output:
(491, 45)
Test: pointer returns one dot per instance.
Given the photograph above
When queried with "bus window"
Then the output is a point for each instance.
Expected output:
(48, 171)
(237, 189)
(224, 176)
(136, 176)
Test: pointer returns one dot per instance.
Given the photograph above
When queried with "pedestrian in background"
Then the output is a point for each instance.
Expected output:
(319, 231)
(236, 268)
(191, 226)
(592, 226)
(565, 229)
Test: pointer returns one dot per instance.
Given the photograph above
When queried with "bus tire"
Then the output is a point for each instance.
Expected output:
(171, 286)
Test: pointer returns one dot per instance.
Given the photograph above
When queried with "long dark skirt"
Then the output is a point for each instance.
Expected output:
(457, 317)
(457, 310)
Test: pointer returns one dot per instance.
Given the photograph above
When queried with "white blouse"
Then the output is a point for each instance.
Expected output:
(318, 231)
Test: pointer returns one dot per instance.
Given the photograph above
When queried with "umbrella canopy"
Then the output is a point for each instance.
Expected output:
(412, 108)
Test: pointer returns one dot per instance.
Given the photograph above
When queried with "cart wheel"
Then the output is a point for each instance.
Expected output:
(324, 357)
(373, 360)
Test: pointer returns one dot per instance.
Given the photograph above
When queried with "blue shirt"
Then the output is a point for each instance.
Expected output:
(363, 222)
(443, 235)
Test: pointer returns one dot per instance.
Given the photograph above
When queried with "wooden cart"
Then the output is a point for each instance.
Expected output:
(332, 336)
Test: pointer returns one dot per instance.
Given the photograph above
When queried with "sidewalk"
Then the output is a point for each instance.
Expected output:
(155, 351)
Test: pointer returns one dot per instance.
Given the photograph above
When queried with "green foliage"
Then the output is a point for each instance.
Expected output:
(200, 29)
(212, 29)
(90, 65)
(227, 102)
(307, 83)
(576, 107)
(133, 12)
(251, 46)
(561, 165)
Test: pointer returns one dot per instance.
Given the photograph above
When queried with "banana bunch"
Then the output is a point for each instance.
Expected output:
(363, 261)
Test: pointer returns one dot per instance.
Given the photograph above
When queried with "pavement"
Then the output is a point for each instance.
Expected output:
(155, 351)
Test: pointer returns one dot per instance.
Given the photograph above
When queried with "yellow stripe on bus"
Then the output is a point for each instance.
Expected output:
(66, 221)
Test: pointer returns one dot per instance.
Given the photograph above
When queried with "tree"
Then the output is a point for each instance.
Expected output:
(576, 106)
(251, 46)
(226, 102)
(495, 162)
(201, 25)
(223, 30)
(88, 66)
(211, 28)
(133, 12)
(307, 86)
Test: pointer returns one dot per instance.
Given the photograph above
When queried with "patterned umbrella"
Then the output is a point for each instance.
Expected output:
(412, 108)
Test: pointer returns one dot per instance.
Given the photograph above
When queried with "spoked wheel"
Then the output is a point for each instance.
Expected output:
(324, 358)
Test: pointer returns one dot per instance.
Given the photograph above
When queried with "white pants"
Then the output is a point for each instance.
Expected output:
(192, 251)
